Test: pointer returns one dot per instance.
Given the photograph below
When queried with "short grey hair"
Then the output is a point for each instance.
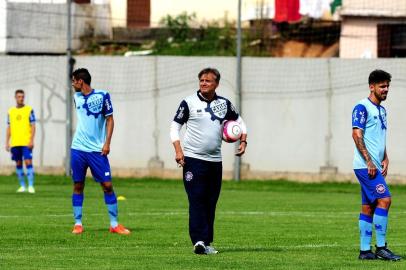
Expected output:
(208, 70)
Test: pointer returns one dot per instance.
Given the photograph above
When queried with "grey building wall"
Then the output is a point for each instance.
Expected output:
(41, 27)
(295, 130)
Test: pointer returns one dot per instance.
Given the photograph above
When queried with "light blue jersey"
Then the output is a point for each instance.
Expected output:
(91, 111)
(371, 118)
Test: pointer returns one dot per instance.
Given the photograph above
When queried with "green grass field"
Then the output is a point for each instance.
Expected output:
(259, 225)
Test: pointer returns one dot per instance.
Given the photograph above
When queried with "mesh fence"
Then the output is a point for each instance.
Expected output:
(309, 101)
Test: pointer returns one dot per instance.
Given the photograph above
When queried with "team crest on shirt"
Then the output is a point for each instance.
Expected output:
(217, 109)
(188, 176)
(94, 104)
(380, 188)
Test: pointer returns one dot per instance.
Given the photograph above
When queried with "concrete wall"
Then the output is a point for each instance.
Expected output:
(3, 19)
(359, 37)
(389, 8)
(359, 34)
(118, 13)
(294, 128)
(41, 27)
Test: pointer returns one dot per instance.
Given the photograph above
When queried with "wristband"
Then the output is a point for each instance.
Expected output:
(244, 142)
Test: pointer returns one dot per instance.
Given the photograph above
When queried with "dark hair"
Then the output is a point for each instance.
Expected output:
(82, 74)
(213, 71)
(378, 76)
(19, 91)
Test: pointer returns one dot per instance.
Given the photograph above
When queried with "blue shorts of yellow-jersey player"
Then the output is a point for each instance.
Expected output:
(20, 152)
(99, 166)
(372, 189)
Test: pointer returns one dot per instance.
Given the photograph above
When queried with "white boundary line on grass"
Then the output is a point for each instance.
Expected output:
(185, 212)
(219, 213)
(225, 248)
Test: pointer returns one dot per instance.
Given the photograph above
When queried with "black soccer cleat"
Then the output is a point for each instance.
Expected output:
(366, 255)
(384, 253)
(199, 248)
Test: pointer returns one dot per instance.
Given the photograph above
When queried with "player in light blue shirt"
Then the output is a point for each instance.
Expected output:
(92, 111)
(90, 147)
(369, 126)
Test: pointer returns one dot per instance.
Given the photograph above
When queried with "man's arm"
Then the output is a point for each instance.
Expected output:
(385, 164)
(31, 143)
(358, 136)
(174, 134)
(109, 130)
(179, 157)
(243, 145)
(243, 139)
(181, 117)
(8, 135)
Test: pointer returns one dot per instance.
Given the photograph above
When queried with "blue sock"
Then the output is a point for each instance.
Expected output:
(30, 175)
(20, 175)
(365, 230)
(381, 222)
(77, 203)
(111, 202)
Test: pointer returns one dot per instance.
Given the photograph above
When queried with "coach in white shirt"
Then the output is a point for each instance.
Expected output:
(204, 113)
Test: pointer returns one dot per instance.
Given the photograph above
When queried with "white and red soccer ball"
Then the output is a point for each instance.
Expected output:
(231, 131)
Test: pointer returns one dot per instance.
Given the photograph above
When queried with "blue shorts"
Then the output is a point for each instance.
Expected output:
(20, 152)
(372, 189)
(99, 166)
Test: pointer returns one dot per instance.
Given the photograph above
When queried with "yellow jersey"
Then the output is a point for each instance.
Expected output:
(20, 120)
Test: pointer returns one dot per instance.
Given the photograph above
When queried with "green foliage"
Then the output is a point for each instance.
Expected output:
(179, 26)
(182, 39)
(259, 225)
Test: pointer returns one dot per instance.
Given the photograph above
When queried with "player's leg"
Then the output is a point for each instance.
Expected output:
(381, 224)
(384, 201)
(366, 228)
(378, 192)
(365, 218)
(195, 177)
(215, 180)
(110, 200)
(27, 153)
(17, 156)
(100, 168)
(381, 220)
(77, 202)
(79, 167)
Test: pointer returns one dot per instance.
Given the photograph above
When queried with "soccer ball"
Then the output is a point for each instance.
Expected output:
(231, 131)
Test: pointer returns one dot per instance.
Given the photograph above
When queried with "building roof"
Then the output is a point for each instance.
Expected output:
(373, 13)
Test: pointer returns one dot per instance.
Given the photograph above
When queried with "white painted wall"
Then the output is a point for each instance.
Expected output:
(41, 28)
(118, 13)
(3, 26)
(359, 38)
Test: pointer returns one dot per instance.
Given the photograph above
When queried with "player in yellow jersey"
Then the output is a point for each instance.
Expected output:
(20, 139)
